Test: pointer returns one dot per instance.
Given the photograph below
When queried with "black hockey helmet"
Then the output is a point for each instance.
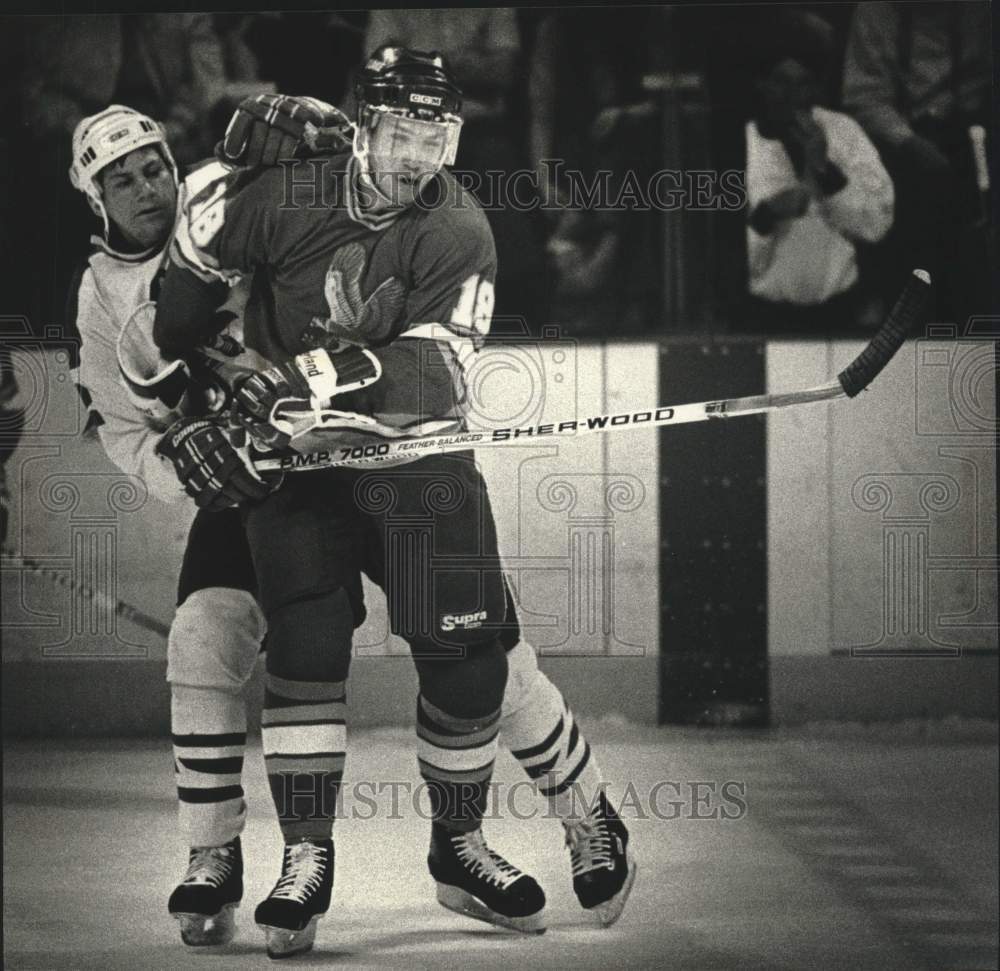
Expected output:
(418, 84)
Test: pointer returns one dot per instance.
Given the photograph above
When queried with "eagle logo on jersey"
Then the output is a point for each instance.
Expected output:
(352, 317)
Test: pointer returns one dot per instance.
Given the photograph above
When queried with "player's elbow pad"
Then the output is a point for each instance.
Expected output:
(186, 312)
(155, 385)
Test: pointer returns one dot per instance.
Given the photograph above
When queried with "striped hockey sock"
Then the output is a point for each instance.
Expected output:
(208, 728)
(541, 733)
(456, 758)
(304, 733)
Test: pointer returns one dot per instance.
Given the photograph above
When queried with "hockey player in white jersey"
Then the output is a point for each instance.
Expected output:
(123, 164)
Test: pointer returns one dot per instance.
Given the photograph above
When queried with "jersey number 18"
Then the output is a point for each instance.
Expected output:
(474, 309)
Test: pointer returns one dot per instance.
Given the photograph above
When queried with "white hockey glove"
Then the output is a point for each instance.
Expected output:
(267, 402)
(268, 128)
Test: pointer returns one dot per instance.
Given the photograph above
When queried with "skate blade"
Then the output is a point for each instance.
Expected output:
(283, 943)
(461, 902)
(611, 910)
(199, 930)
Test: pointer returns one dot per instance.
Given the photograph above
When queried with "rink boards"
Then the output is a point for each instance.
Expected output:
(868, 555)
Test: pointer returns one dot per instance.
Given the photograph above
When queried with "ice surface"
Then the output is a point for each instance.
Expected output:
(904, 875)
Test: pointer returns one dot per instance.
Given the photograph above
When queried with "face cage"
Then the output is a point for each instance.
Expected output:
(393, 124)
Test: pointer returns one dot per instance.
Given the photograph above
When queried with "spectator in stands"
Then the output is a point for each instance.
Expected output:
(917, 78)
(312, 54)
(587, 111)
(815, 186)
(168, 65)
(483, 47)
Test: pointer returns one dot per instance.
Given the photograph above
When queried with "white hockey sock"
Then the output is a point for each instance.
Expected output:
(541, 733)
(209, 731)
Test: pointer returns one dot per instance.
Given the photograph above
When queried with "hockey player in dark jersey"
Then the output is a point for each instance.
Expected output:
(386, 279)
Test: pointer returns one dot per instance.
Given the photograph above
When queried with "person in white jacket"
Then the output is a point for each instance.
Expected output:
(816, 186)
(123, 164)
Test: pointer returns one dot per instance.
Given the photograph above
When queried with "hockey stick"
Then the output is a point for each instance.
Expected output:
(850, 382)
(120, 607)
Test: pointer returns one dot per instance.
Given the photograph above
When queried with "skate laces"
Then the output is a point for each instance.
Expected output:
(305, 865)
(209, 864)
(483, 862)
(589, 844)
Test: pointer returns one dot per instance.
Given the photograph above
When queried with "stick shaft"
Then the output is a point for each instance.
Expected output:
(857, 376)
(568, 428)
(120, 607)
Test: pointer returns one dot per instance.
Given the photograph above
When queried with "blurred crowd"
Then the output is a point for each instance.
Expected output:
(864, 130)
(861, 130)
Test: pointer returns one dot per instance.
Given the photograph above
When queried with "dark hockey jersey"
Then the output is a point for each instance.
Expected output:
(415, 285)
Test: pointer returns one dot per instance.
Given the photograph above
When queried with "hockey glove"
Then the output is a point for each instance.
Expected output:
(312, 380)
(164, 390)
(213, 472)
(268, 128)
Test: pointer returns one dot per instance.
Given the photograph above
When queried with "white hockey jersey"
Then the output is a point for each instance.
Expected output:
(113, 288)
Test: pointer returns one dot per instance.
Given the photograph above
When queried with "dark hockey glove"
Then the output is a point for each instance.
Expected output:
(211, 469)
(268, 128)
(315, 377)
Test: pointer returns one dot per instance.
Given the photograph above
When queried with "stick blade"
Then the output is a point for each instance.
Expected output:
(902, 319)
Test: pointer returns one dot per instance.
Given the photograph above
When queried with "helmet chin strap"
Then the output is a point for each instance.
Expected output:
(100, 210)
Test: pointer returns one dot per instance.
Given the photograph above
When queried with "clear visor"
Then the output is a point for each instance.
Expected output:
(431, 142)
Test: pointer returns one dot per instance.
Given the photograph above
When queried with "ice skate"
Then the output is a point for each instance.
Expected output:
(475, 881)
(604, 868)
(205, 901)
(301, 896)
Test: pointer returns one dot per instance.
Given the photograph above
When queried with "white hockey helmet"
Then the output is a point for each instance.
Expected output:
(106, 136)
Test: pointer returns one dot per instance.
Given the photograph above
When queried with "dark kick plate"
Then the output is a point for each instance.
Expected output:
(713, 542)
